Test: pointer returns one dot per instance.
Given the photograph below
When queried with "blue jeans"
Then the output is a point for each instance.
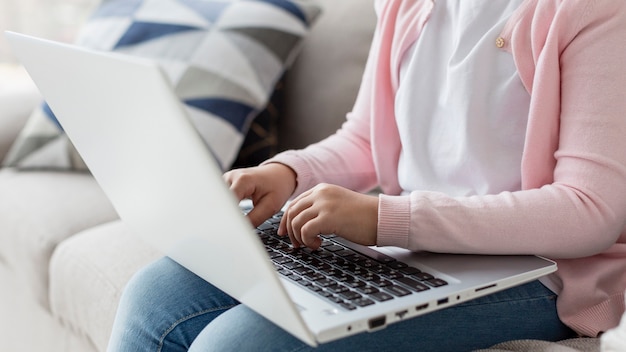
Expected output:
(165, 307)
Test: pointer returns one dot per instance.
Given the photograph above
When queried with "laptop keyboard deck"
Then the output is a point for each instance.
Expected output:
(347, 274)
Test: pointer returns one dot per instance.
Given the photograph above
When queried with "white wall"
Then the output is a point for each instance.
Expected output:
(52, 19)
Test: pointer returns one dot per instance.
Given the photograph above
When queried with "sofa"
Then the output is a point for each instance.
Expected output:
(64, 254)
(65, 257)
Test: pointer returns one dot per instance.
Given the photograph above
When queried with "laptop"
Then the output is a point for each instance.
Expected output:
(121, 114)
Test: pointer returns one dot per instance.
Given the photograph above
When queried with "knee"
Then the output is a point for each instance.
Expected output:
(152, 285)
(241, 329)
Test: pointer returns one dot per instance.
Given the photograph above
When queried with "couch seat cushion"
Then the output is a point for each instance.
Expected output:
(38, 210)
(88, 273)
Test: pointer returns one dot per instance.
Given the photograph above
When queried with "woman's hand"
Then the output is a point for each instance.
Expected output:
(327, 209)
(269, 186)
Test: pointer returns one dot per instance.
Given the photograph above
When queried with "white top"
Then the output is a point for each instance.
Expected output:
(461, 107)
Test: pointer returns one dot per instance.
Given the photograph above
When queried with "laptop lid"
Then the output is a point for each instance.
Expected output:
(148, 182)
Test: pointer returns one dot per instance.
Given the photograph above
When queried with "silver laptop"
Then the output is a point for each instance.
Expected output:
(132, 131)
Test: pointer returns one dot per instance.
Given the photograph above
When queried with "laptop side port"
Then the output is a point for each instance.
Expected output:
(377, 322)
(485, 288)
(421, 307)
(402, 313)
(442, 301)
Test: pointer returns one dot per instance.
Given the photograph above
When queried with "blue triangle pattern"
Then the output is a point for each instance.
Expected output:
(289, 7)
(139, 32)
(117, 8)
(207, 9)
(235, 113)
(48, 112)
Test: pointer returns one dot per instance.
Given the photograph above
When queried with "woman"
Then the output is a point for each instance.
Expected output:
(492, 127)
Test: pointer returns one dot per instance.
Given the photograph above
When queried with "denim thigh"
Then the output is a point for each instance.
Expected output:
(167, 308)
(524, 312)
(164, 307)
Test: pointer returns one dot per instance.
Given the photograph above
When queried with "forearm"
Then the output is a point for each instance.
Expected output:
(553, 221)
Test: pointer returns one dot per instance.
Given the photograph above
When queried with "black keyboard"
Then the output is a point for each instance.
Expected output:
(345, 273)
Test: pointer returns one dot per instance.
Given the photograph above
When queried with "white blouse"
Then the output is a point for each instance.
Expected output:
(461, 107)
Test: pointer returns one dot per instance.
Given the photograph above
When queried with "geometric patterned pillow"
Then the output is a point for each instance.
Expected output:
(223, 58)
(261, 142)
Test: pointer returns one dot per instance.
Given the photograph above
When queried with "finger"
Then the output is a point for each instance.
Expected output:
(285, 224)
(242, 186)
(285, 227)
(299, 221)
(263, 209)
(228, 177)
(310, 237)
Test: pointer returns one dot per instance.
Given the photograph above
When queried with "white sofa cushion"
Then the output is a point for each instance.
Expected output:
(39, 210)
(87, 275)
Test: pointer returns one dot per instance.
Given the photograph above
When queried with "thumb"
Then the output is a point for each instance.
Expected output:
(262, 210)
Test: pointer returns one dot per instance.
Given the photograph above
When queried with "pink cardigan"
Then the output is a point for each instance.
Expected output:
(571, 56)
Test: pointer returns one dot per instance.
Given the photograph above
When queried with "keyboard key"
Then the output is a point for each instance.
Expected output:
(348, 306)
(266, 226)
(335, 299)
(413, 284)
(325, 282)
(409, 270)
(345, 253)
(367, 251)
(423, 276)
(363, 302)
(436, 282)
(333, 248)
(397, 265)
(368, 290)
(314, 276)
(397, 290)
(305, 283)
(282, 260)
(355, 283)
(392, 274)
(292, 265)
(381, 296)
(336, 288)
(350, 295)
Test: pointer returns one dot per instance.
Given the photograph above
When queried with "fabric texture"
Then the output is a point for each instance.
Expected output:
(52, 207)
(614, 340)
(223, 58)
(580, 344)
(573, 167)
(103, 258)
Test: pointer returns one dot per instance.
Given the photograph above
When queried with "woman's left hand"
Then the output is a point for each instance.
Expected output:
(330, 209)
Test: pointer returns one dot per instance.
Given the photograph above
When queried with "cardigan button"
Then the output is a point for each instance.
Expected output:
(500, 42)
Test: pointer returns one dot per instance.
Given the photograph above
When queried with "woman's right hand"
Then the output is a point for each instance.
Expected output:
(269, 186)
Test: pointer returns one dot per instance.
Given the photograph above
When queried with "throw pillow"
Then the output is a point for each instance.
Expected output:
(223, 58)
(261, 142)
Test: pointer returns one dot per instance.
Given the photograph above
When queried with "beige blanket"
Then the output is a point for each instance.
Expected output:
(572, 345)
(614, 340)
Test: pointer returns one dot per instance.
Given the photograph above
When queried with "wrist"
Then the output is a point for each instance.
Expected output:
(287, 176)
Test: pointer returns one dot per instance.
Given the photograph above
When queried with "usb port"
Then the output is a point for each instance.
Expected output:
(442, 301)
(377, 322)
(422, 306)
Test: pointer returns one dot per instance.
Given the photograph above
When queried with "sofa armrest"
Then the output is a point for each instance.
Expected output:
(18, 97)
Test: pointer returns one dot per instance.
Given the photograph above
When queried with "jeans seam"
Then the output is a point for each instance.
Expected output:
(187, 317)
